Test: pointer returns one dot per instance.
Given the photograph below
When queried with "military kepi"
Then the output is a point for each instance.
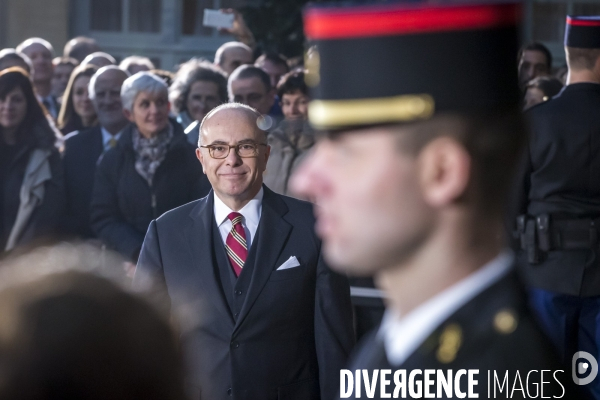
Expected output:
(389, 63)
(583, 32)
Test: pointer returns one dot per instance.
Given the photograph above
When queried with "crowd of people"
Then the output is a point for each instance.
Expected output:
(80, 105)
(196, 188)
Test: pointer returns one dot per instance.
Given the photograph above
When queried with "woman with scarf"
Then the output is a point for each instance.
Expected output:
(151, 170)
(31, 178)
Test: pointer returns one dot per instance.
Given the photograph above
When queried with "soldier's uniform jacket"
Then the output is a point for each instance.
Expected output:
(493, 332)
(561, 177)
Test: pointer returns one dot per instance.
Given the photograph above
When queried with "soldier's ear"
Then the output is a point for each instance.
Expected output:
(444, 168)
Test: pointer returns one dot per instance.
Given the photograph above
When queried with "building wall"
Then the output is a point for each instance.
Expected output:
(48, 19)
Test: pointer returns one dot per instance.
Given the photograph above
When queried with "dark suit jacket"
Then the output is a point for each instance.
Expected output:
(561, 177)
(484, 345)
(293, 331)
(80, 157)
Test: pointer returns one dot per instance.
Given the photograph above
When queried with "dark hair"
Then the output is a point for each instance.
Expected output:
(274, 58)
(292, 82)
(68, 120)
(15, 77)
(494, 141)
(193, 71)
(80, 47)
(550, 86)
(247, 72)
(11, 58)
(579, 58)
(65, 61)
(536, 46)
(166, 76)
(74, 335)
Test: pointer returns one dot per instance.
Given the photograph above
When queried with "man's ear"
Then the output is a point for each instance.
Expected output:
(444, 168)
(200, 158)
(128, 114)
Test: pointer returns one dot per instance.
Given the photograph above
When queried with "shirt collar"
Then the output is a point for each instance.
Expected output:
(403, 335)
(106, 136)
(250, 211)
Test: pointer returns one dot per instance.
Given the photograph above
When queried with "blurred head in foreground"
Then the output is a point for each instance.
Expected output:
(68, 333)
(411, 165)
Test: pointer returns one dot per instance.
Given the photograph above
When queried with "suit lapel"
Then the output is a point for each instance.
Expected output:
(97, 145)
(272, 234)
(200, 243)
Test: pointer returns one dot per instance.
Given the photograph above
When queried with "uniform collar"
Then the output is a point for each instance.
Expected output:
(402, 335)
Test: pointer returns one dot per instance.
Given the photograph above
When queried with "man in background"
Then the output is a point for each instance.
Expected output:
(560, 200)
(40, 53)
(251, 86)
(535, 60)
(83, 149)
(231, 55)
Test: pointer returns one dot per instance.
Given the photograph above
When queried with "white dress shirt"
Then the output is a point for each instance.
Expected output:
(250, 217)
(106, 136)
(402, 335)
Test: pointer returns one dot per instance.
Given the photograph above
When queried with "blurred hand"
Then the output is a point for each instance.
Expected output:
(239, 29)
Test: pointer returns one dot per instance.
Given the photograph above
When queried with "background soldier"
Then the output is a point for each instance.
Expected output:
(412, 176)
(561, 200)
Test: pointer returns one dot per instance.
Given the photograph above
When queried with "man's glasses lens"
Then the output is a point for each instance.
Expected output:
(243, 150)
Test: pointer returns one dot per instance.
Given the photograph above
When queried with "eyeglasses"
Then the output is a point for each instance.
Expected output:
(243, 150)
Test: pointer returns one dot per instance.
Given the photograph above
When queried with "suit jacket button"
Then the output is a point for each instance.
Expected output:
(229, 392)
(235, 345)
(238, 292)
(237, 314)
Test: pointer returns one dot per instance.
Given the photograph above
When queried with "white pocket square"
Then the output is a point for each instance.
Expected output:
(290, 263)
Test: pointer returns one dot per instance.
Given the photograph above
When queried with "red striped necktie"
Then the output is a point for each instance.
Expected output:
(235, 245)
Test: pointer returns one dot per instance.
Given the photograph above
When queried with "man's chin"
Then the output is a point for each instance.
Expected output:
(344, 262)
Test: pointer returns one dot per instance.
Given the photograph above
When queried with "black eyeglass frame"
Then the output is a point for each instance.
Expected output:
(210, 148)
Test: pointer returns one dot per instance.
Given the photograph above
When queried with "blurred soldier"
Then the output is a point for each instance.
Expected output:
(83, 148)
(411, 180)
(560, 203)
(40, 53)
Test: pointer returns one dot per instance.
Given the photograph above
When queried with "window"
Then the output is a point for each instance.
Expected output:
(144, 16)
(106, 15)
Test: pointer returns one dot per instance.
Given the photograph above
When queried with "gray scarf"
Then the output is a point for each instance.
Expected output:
(149, 153)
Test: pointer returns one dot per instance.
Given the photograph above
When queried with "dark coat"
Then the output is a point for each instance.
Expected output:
(270, 334)
(477, 337)
(561, 177)
(44, 224)
(82, 149)
(123, 204)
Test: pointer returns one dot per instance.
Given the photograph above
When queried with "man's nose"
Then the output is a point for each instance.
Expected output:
(232, 158)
